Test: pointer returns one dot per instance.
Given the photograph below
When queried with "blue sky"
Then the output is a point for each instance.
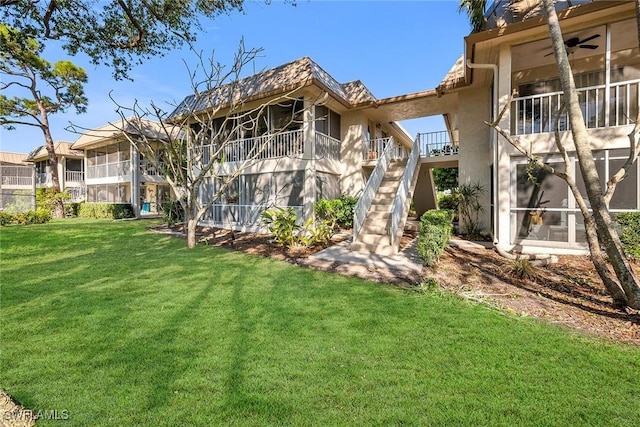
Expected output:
(393, 47)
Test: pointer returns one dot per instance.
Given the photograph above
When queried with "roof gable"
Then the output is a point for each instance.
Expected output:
(294, 75)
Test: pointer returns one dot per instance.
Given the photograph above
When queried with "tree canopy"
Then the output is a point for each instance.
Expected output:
(116, 33)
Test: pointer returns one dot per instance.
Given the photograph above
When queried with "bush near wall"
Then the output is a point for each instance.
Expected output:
(172, 212)
(629, 223)
(39, 216)
(106, 210)
(435, 231)
(337, 211)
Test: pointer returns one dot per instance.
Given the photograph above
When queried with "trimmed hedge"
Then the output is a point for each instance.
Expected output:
(435, 231)
(39, 216)
(106, 210)
(629, 223)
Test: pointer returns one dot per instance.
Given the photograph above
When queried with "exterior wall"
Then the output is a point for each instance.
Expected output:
(474, 164)
(354, 133)
(561, 231)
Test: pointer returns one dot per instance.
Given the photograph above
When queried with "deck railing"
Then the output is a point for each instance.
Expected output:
(17, 175)
(149, 169)
(374, 148)
(74, 176)
(401, 201)
(371, 188)
(241, 215)
(327, 147)
(109, 170)
(601, 107)
(270, 146)
(439, 143)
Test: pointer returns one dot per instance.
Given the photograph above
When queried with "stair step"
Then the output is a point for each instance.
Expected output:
(371, 248)
(378, 215)
(374, 228)
(381, 207)
(374, 239)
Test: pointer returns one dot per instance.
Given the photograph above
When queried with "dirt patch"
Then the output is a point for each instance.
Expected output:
(568, 292)
(14, 415)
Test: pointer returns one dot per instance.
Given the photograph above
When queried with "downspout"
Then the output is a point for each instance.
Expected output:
(493, 145)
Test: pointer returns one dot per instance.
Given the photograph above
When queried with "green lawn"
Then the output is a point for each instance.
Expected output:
(118, 326)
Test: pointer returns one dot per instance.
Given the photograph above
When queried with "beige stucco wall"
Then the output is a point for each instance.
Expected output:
(354, 128)
(475, 154)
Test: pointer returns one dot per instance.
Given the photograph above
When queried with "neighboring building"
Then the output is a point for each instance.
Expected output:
(17, 183)
(601, 40)
(70, 169)
(321, 140)
(117, 173)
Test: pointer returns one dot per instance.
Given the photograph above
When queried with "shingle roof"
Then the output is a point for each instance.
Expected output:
(504, 12)
(294, 75)
(454, 77)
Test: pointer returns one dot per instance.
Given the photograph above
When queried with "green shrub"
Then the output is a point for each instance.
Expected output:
(336, 211)
(282, 223)
(71, 209)
(47, 197)
(629, 225)
(172, 212)
(106, 210)
(6, 218)
(449, 201)
(435, 231)
(39, 216)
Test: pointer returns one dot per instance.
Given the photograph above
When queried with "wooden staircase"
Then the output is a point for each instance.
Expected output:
(374, 235)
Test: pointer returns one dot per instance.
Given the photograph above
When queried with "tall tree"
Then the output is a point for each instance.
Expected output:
(197, 148)
(117, 33)
(607, 233)
(601, 234)
(44, 89)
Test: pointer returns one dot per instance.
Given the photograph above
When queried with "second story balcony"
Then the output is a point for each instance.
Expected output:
(277, 145)
(17, 176)
(615, 104)
(74, 176)
(107, 170)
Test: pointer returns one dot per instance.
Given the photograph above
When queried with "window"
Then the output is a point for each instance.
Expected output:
(109, 193)
(327, 121)
(543, 208)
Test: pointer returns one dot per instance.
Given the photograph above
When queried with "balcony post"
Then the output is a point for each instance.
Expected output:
(135, 180)
(309, 158)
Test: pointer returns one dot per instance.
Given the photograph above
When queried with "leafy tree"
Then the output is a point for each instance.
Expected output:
(602, 236)
(192, 145)
(445, 178)
(117, 33)
(43, 89)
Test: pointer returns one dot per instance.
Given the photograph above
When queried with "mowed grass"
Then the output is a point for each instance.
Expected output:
(118, 326)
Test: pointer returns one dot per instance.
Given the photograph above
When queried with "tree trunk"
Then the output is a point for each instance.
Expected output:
(53, 162)
(192, 223)
(606, 232)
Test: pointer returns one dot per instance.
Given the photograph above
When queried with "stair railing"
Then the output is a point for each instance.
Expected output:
(371, 188)
(401, 202)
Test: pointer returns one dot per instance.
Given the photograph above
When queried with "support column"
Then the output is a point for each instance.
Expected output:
(135, 180)
(309, 157)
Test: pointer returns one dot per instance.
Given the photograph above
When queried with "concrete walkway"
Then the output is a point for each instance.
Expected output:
(405, 267)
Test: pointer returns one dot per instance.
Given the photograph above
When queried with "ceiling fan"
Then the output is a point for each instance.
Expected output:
(574, 43)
